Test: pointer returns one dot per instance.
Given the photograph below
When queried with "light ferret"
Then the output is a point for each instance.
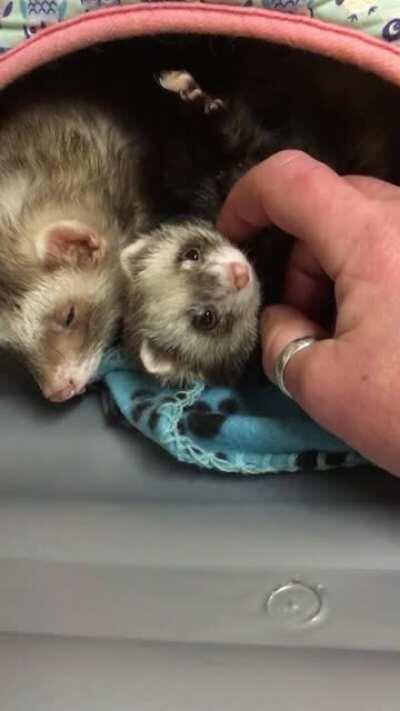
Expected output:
(65, 173)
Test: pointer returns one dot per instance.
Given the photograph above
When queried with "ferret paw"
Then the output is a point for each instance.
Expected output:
(178, 82)
(182, 83)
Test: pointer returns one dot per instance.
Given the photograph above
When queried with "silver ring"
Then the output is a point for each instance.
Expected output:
(295, 346)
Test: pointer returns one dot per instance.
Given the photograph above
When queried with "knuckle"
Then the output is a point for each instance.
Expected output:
(305, 176)
(292, 170)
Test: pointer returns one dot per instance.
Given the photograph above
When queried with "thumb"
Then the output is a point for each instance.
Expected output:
(316, 377)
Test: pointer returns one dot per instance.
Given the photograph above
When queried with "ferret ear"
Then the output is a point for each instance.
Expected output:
(73, 244)
(153, 362)
(129, 254)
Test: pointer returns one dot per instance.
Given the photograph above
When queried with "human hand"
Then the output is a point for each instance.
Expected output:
(348, 236)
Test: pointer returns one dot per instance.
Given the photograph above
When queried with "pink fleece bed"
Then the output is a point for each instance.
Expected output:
(41, 30)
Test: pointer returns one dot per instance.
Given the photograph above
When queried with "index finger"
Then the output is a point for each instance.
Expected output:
(305, 198)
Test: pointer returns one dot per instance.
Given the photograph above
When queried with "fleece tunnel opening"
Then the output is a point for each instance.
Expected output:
(266, 83)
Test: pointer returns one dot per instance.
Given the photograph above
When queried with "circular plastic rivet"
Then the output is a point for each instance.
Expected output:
(294, 604)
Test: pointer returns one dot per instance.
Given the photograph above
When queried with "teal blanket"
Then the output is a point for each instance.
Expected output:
(253, 429)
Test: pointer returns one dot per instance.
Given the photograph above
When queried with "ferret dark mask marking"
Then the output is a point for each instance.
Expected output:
(189, 318)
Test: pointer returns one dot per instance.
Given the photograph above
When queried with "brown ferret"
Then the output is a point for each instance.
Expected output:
(79, 180)
(65, 181)
(76, 183)
(184, 317)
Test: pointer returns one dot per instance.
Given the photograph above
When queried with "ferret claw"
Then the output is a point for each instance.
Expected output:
(213, 105)
(191, 95)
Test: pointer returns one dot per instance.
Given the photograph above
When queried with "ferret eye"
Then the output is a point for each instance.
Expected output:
(192, 255)
(205, 321)
(70, 317)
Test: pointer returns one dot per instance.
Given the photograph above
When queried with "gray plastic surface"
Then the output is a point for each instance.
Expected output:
(104, 536)
(69, 451)
(62, 675)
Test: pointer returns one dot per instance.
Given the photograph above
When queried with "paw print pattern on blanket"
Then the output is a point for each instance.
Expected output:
(251, 429)
(144, 406)
(204, 422)
(309, 460)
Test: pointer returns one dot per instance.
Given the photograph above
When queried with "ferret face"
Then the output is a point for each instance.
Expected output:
(62, 311)
(192, 304)
(61, 327)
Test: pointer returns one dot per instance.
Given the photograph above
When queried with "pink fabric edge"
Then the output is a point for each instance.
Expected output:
(121, 22)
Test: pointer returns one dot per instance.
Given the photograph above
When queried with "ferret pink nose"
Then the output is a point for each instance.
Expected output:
(65, 392)
(239, 274)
